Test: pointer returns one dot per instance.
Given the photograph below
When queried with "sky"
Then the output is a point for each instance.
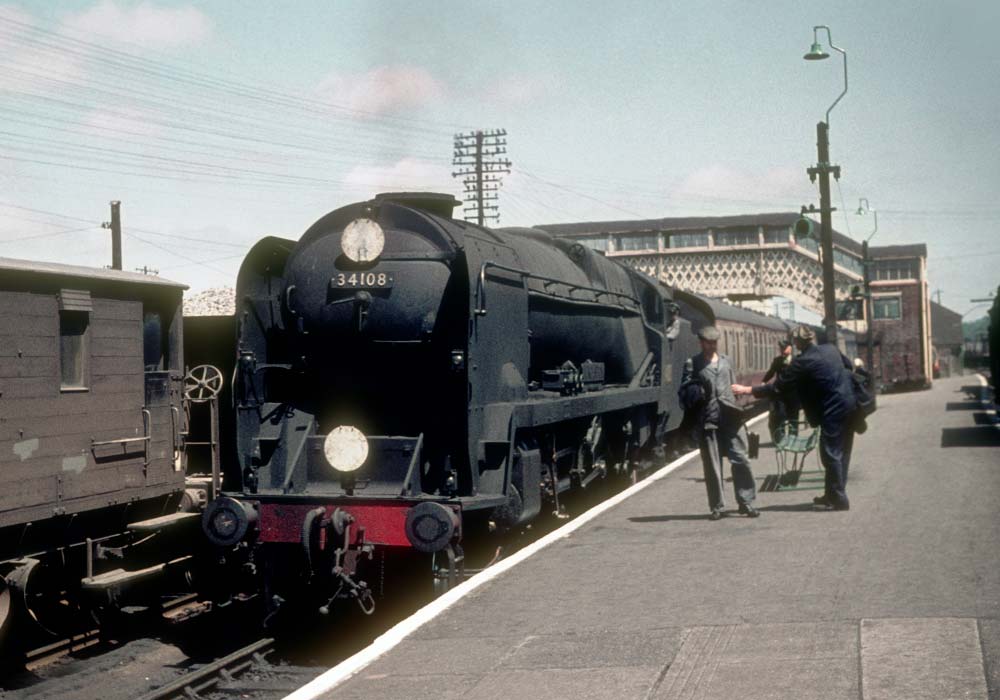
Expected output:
(217, 123)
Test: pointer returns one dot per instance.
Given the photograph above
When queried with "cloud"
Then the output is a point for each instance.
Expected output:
(381, 90)
(718, 185)
(408, 174)
(144, 24)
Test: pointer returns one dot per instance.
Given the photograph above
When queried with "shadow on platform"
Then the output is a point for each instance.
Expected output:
(806, 507)
(962, 406)
(980, 436)
(984, 418)
(667, 518)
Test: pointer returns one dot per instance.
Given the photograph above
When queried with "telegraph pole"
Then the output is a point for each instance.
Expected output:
(823, 170)
(869, 321)
(477, 157)
(116, 235)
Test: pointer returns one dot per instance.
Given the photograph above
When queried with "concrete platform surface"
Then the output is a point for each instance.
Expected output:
(898, 598)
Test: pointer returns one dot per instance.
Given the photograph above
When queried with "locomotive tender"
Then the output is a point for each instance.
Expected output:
(404, 378)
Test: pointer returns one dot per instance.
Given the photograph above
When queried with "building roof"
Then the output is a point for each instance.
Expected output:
(79, 271)
(689, 223)
(915, 250)
(946, 325)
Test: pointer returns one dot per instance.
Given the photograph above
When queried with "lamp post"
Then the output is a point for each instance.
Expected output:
(823, 170)
(863, 208)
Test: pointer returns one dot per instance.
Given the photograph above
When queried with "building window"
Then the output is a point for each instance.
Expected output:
(595, 242)
(736, 237)
(895, 270)
(808, 244)
(848, 262)
(73, 348)
(887, 308)
(637, 242)
(688, 240)
(776, 235)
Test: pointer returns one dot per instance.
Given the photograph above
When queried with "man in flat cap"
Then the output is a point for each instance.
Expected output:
(706, 390)
(821, 376)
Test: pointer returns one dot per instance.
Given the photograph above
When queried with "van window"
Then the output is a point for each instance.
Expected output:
(73, 327)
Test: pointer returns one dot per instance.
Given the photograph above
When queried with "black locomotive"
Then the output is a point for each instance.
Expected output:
(404, 380)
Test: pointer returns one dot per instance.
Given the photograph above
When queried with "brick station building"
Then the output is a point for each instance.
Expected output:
(901, 316)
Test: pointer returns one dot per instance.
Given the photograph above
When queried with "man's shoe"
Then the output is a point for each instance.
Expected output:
(822, 501)
(749, 511)
(844, 505)
(715, 515)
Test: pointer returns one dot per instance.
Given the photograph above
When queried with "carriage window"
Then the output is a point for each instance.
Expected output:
(73, 348)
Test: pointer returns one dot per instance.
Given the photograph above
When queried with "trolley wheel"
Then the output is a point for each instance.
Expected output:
(202, 383)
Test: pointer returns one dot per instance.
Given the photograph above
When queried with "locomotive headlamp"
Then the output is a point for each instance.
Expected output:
(345, 448)
(363, 240)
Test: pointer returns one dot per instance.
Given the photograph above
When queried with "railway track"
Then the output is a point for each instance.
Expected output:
(246, 672)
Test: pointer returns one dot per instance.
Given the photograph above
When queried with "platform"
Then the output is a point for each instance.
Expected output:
(897, 598)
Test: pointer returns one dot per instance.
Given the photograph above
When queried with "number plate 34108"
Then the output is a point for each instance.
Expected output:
(362, 280)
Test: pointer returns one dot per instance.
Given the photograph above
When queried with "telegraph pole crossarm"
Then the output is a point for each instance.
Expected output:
(476, 157)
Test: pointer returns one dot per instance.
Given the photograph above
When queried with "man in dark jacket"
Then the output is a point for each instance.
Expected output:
(821, 376)
(706, 390)
(784, 407)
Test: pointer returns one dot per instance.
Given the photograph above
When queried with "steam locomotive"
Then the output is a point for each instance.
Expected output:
(404, 380)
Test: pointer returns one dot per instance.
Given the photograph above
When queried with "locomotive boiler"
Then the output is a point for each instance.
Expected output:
(404, 379)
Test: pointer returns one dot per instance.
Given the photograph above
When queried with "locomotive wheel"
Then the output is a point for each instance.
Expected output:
(202, 383)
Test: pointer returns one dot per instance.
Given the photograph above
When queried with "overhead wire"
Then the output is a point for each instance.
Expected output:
(61, 41)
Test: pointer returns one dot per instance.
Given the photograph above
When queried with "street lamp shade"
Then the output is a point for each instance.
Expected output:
(816, 53)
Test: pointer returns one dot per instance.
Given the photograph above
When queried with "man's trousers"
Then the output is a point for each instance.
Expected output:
(836, 441)
(716, 443)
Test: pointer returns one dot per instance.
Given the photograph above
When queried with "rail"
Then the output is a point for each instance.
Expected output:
(190, 685)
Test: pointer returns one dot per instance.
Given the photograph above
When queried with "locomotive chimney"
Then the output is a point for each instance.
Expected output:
(436, 203)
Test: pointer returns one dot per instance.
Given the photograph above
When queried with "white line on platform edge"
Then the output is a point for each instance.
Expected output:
(396, 634)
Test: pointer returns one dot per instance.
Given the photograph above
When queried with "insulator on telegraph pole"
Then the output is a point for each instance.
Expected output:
(477, 159)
